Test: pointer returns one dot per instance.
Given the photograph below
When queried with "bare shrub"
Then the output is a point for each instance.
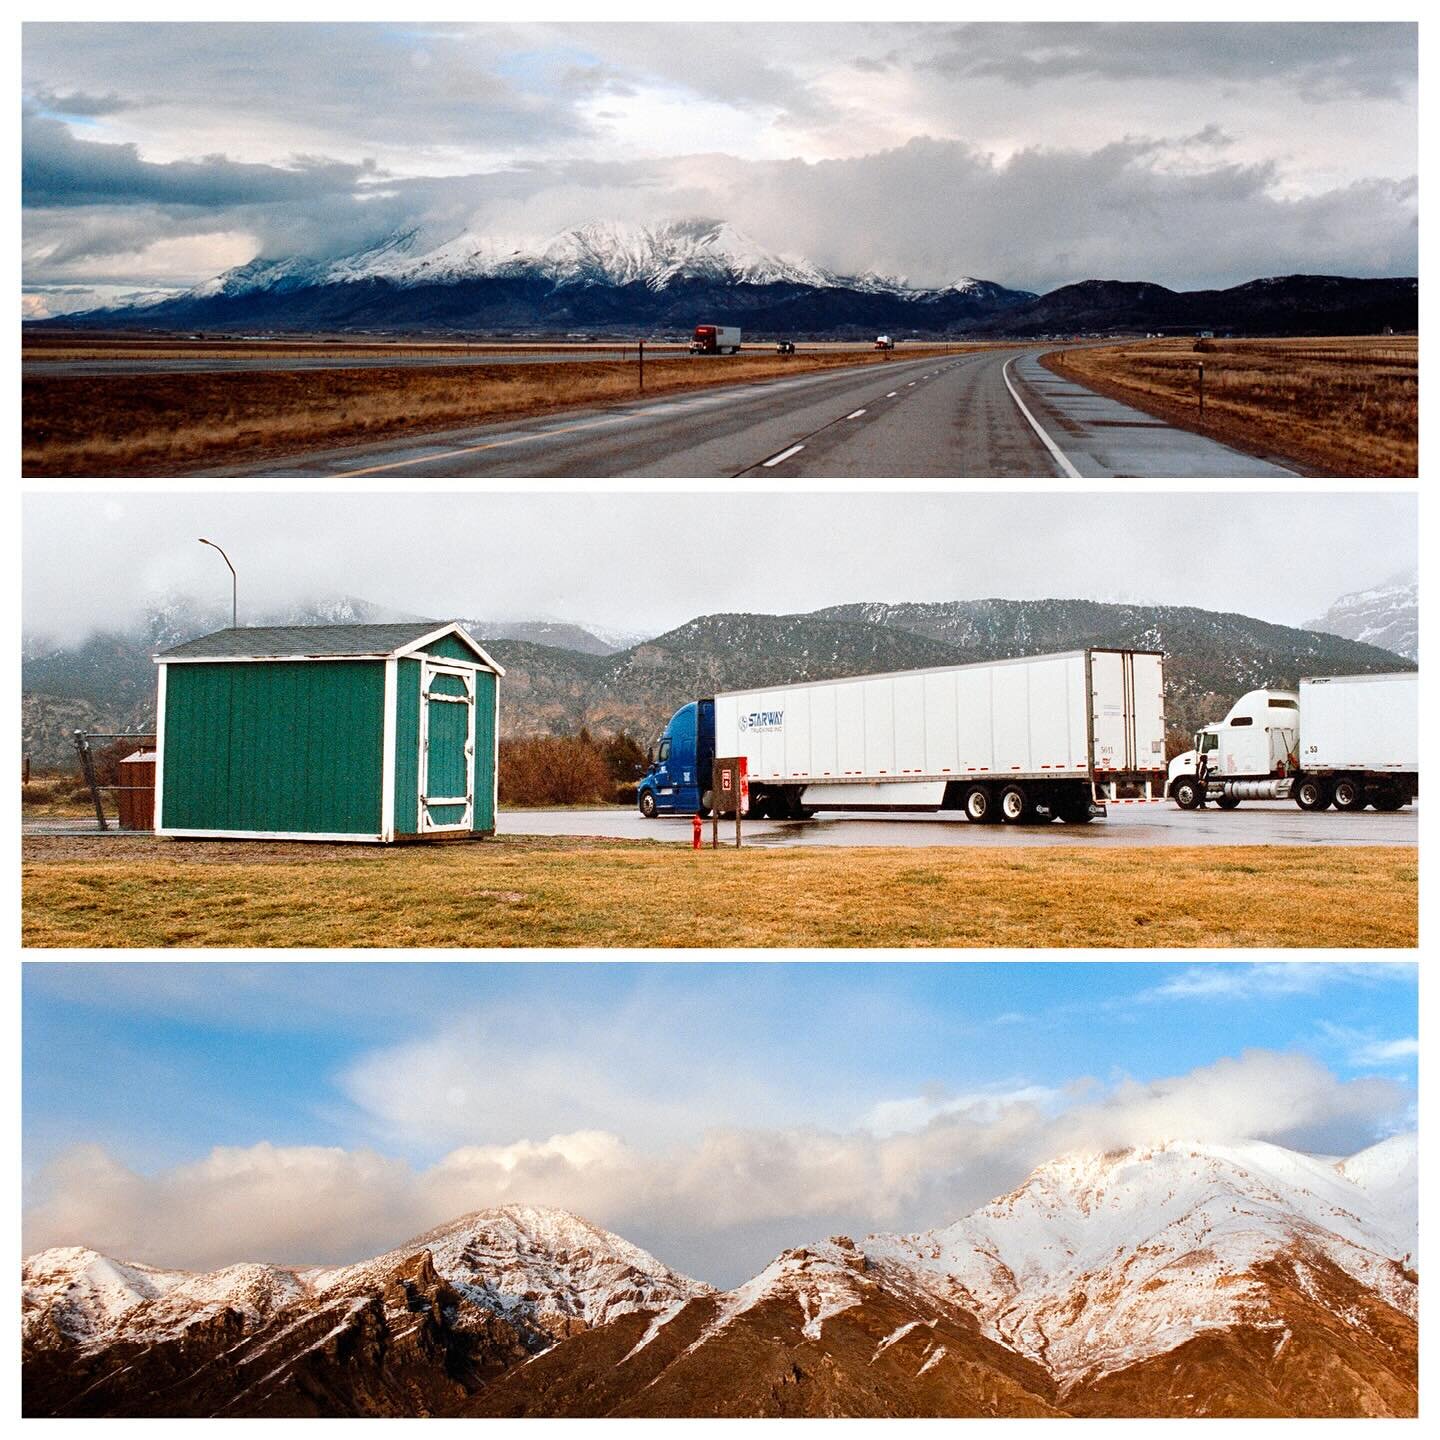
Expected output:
(554, 770)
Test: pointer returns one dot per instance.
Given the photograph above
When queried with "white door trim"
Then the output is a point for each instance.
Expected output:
(429, 670)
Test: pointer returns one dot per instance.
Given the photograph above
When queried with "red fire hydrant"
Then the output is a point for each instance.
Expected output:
(697, 825)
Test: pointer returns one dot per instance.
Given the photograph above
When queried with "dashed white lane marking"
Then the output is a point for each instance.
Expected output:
(855, 414)
(892, 394)
(783, 455)
(910, 386)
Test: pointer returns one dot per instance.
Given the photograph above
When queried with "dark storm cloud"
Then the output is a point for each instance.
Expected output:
(58, 168)
(1320, 61)
(79, 103)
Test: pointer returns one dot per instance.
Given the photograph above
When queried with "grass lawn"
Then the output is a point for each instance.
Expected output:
(533, 892)
(1347, 405)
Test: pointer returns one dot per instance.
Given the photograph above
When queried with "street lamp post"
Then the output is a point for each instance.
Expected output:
(234, 584)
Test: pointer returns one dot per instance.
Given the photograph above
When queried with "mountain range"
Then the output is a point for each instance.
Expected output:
(615, 278)
(1387, 615)
(561, 677)
(1180, 1279)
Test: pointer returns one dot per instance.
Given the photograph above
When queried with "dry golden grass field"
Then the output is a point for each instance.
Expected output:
(157, 424)
(1345, 406)
(529, 892)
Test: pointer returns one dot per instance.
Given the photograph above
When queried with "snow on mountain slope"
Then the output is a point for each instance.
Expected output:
(1389, 1173)
(1098, 1261)
(822, 1280)
(91, 1300)
(602, 252)
(598, 253)
(544, 1269)
(542, 1266)
(83, 1293)
(1387, 615)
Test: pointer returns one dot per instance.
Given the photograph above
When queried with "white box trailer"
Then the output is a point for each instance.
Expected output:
(1364, 723)
(715, 340)
(1031, 738)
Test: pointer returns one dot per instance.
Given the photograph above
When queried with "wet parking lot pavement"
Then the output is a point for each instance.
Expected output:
(1258, 823)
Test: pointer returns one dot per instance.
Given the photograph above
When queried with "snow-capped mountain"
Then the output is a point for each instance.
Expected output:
(609, 275)
(404, 1333)
(545, 1269)
(1176, 1279)
(599, 253)
(1099, 1261)
(1387, 615)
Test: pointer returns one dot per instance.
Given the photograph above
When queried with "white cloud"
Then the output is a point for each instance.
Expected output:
(719, 1201)
(1286, 977)
(914, 1112)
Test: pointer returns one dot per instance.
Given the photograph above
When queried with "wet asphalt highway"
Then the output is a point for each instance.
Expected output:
(983, 415)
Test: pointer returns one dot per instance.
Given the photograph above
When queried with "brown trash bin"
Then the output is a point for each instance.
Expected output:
(136, 795)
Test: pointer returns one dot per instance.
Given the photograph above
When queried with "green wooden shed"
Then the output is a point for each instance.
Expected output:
(327, 732)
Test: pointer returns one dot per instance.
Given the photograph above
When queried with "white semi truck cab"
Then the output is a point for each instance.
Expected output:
(1343, 740)
(1252, 754)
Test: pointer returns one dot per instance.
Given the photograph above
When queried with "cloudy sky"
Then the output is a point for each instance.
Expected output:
(156, 155)
(198, 1114)
(94, 562)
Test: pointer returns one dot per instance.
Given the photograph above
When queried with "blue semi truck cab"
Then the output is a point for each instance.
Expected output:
(681, 760)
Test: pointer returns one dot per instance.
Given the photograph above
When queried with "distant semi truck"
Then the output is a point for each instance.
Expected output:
(1038, 738)
(884, 342)
(715, 340)
(1342, 740)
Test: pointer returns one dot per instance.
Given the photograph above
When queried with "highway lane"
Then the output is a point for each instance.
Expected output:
(1163, 823)
(983, 415)
(759, 428)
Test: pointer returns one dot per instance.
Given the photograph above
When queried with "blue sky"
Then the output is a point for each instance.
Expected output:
(590, 1084)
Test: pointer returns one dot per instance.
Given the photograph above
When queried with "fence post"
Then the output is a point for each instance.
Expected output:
(1200, 366)
(87, 765)
(642, 367)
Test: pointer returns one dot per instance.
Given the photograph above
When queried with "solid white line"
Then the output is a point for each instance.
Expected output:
(783, 455)
(1045, 440)
(855, 414)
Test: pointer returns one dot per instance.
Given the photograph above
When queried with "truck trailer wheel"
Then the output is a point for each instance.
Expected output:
(1228, 802)
(1188, 793)
(980, 806)
(1075, 812)
(1388, 800)
(1348, 795)
(647, 804)
(1015, 807)
(1312, 794)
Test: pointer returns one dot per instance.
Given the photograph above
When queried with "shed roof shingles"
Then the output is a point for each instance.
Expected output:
(265, 642)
